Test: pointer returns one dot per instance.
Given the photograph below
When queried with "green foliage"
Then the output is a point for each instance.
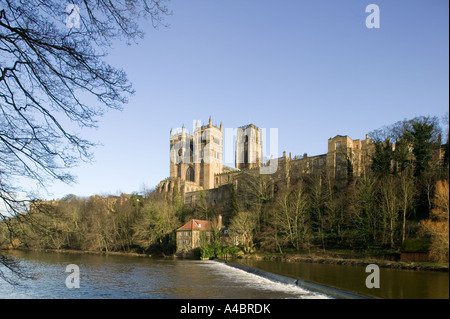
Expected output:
(209, 250)
(230, 251)
(215, 250)
(416, 245)
(382, 161)
(423, 137)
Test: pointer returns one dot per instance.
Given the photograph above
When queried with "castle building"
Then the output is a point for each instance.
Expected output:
(197, 169)
(342, 151)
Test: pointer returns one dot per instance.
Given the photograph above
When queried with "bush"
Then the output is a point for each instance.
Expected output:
(208, 251)
(215, 250)
(416, 245)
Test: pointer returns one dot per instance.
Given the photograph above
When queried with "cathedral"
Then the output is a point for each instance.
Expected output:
(196, 160)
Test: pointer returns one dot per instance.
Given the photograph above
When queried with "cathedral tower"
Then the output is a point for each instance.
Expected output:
(198, 157)
(248, 147)
(208, 153)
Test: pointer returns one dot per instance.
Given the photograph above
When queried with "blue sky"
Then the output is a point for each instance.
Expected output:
(311, 69)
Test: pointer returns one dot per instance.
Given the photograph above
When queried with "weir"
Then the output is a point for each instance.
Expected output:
(329, 291)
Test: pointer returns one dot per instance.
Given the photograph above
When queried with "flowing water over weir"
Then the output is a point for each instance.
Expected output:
(321, 289)
(394, 283)
(140, 277)
(130, 277)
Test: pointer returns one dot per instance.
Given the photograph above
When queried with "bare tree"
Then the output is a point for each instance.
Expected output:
(242, 228)
(406, 196)
(53, 79)
(292, 217)
(317, 205)
(48, 76)
(390, 205)
(12, 271)
(254, 193)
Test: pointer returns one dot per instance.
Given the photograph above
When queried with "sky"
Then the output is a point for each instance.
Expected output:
(311, 69)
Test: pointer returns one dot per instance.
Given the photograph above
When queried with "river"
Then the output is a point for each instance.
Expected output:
(130, 277)
(394, 283)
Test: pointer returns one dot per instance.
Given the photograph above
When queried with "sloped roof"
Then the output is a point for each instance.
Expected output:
(196, 224)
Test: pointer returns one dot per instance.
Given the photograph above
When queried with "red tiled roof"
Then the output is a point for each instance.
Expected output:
(196, 224)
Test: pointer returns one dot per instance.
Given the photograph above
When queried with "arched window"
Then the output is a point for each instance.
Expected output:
(190, 176)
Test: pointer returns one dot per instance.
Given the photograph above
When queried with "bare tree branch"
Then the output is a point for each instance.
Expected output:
(49, 73)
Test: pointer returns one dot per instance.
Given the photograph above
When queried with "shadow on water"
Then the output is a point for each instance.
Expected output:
(113, 276)
(394, 283)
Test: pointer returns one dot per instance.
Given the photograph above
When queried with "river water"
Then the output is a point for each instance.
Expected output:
(113, 276)
(394, 283)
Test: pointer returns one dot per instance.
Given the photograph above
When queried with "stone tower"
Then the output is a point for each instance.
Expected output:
(208, 153)
(181, 155)
(248, 147)
(197, 158)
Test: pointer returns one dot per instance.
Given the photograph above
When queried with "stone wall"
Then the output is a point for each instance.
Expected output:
(219, 197)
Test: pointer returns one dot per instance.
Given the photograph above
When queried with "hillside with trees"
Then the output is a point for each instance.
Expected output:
(403, 195)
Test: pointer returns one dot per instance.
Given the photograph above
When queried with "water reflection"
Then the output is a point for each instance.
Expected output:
(394, 283)
(137, 277)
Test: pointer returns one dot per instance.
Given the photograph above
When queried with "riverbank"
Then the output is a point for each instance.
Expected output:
(344, 259)
(328, 257)
(86, 252)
